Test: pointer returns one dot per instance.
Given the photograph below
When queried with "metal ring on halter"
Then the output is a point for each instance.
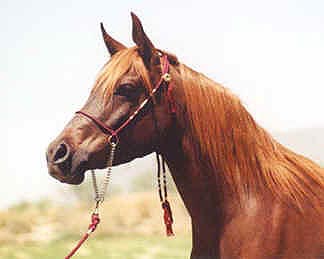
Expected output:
(166, 77)
(113, 140)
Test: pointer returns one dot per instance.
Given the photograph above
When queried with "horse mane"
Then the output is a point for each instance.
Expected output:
(247, 156)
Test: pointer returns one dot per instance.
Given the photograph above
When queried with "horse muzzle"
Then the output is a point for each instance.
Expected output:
(65, 165)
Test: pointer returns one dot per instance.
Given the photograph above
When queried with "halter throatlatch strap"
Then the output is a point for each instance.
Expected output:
(167, 215)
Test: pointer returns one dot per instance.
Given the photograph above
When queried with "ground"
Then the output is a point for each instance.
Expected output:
(119, 247)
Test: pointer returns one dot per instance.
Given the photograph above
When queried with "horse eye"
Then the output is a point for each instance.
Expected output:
(127, 90)
(124, 89)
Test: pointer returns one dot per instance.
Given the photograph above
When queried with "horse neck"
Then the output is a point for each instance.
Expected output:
(201, 185)
(219, 166)
(205, 197)
(202, 191)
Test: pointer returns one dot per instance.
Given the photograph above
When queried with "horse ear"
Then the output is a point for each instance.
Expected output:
(145, 46)
(112, 45)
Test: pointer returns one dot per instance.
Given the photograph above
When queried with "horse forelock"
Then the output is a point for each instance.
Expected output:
(237, 147)
(118, 66)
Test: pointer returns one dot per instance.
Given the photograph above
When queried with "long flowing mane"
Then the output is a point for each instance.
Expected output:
(237, 147)
(247, 156)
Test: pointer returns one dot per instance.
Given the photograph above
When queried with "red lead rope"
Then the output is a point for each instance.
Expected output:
(92, 227)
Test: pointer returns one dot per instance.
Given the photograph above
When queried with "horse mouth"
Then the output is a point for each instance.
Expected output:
(76, 179)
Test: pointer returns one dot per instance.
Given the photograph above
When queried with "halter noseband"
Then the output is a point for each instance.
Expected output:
(113, 138)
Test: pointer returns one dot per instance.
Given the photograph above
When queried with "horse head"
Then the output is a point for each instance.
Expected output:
(123, 84)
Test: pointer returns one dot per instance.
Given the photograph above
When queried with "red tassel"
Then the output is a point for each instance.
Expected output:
(168, 219)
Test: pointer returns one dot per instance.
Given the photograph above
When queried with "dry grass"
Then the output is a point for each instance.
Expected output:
(138, 214)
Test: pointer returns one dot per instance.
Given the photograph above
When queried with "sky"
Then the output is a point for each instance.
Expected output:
(270, 53)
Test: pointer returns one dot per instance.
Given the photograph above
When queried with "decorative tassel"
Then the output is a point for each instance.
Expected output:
(168, 219)
(167, 215)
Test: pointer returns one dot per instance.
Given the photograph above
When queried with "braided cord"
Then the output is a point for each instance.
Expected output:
(100, 194)
(159, 176)
(164, 179)
(95, 186)
(163, 195)
(108, 172)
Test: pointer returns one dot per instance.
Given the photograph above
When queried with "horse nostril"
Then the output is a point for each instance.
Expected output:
(61, 154)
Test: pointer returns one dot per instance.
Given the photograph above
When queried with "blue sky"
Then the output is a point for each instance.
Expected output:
(270, 53)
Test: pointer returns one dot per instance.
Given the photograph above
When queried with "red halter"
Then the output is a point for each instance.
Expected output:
(113, 139)
(165, 77)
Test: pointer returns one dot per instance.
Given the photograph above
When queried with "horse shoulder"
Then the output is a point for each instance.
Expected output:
(271, 229)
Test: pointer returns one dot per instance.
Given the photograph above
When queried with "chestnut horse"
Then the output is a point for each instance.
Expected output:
(248, 196)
